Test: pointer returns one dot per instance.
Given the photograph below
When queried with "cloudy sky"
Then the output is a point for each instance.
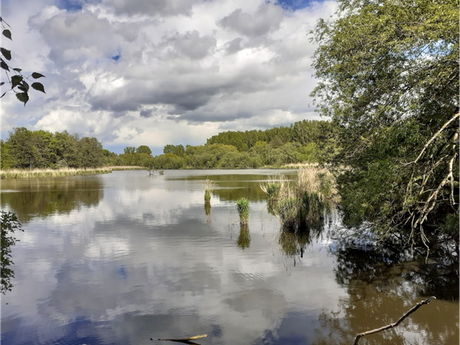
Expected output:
(138, 72)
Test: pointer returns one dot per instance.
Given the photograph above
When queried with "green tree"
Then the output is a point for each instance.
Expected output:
(90, 152)
(168, 161)
(65, 148)
(388, 76)
(130, 149)
(7, 161)
(144, 149)
(22, 149)
(177, 150)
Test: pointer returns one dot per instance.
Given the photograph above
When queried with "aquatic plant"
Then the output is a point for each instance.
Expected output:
(288, 210)
(242, 205)
(302, 206)
(273, 186)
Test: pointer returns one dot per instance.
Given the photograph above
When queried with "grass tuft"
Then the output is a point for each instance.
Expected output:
(242, 205)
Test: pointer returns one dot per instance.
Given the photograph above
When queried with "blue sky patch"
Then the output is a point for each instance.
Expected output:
(293, 4)
(70, 5)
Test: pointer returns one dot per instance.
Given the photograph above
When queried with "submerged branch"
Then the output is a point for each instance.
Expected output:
(377, 330)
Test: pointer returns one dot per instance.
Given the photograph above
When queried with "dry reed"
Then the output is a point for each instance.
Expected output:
(34, 173)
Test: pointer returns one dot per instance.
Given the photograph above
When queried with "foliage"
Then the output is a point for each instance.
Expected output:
(42, 149)
(16, 80)
(90, 152)
(177, 150)
(275, 147)
(303, 206)
(168, 161)
(144, 149)
(288, 211)
(9, 225)
(389, 76)
(242, 205)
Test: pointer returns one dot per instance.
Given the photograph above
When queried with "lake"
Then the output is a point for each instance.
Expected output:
(127, 258)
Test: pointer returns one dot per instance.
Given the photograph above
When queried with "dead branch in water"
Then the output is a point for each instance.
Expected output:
(186, 340)
(414, 308)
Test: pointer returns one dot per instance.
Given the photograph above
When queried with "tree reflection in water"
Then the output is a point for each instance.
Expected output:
(382, 285)
(42, 197)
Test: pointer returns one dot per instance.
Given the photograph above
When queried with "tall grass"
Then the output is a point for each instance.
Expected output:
(302, 206)
(34, 173)
(242, 205)
(273, 186)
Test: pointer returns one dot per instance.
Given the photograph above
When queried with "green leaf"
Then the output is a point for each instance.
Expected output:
(23, 97)
(17, 70)
(4, 65)
(38, 87)
(6, 53)
(24, 86)
(15, 81)
(37, 75)
(7, 33)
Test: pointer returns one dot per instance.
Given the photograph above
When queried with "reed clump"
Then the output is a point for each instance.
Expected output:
(303, 205)
(242, 205)
(36, 173)
(273, 186)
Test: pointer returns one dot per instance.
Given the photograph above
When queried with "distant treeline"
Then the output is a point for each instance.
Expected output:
(42, 149)
(304, 141)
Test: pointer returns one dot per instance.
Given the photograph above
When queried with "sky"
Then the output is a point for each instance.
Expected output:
(138, 72)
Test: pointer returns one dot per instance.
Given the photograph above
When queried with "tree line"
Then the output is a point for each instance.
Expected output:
(43, 149)
(303, 141)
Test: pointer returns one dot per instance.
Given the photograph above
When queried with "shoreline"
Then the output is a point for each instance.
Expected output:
(63, 172)
(36, 173)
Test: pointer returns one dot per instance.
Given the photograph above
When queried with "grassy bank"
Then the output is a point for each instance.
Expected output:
(33, 173)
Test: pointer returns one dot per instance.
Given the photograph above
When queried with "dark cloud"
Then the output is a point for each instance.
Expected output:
(214, 116)
(266, 19)
(151, 8)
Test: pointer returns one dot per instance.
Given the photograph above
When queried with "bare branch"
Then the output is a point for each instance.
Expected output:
(434, 137)
(392, 325)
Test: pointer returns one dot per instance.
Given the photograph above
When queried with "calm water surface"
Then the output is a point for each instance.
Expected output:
(125, 257)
